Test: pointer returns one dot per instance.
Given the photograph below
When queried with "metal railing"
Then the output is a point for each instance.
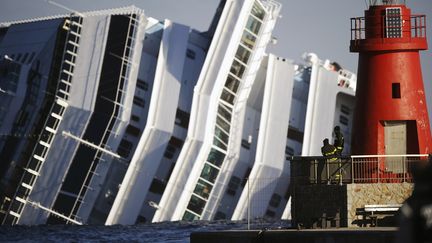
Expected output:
(417, 28)
(355, 169)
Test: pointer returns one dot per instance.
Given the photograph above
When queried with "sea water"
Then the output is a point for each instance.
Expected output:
(160, 232)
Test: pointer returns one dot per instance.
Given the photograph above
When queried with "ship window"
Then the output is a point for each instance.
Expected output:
(245, 144)
(227, 96)
(182, 118)
(223, 124)
(188, 216)
(216, 157)
(258, 11)
(157, 186)
(224, 111)
(219, 144)
(142, 84)
(343, 120)
(275, 200)
(219, 215)
(135, 118)
(233, 185)
(196, 204)
(209, 173)
(169, 152)
(176, 142)
(191, 54)
(124, 148)
(237, 69)
(396, 94)
(242, 54)
(139, 102)
(345, 109)
(133, 130)
(253, 25)
(295, 135)
(203, 189)
(219, 133)
(231, 82)
(289, 150)
(248, 39)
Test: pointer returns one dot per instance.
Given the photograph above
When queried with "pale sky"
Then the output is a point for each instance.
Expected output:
(320, 26)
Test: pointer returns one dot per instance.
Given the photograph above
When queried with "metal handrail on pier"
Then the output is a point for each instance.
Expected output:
(355, 168)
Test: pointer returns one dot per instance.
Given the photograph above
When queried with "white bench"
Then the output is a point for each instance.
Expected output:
(375, 211)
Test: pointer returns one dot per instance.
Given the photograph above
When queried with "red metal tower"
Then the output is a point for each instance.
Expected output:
(391, 114)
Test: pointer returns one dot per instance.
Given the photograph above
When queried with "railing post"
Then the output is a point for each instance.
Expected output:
(316, 170)
(248, 207)
(378, 170)
(327, 171)
(352, 169)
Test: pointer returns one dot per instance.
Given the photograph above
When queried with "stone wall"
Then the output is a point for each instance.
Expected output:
(359, 195)
(319, 206)
(326, 206)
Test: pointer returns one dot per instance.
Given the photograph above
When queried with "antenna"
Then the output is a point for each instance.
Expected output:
(386, 2)
(65, 8)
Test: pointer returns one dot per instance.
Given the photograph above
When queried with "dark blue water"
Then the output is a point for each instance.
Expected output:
(161, 232)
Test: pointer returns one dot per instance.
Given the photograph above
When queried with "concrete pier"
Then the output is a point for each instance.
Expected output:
(341, 235)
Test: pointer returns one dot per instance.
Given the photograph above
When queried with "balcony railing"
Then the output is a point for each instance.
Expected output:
(417, 28)
(355, 169)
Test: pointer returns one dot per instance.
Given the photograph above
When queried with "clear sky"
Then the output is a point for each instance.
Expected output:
(320, 26)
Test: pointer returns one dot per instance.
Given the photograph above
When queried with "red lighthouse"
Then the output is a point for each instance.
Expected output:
(391, 114)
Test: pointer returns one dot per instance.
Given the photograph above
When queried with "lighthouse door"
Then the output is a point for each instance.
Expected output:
(395, 135)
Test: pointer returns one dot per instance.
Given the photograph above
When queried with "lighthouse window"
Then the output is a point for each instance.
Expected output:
(393, 23)
(396, 94)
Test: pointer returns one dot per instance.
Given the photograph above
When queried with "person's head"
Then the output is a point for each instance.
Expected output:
(326, 141)
(336, 66)
(336, 129)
